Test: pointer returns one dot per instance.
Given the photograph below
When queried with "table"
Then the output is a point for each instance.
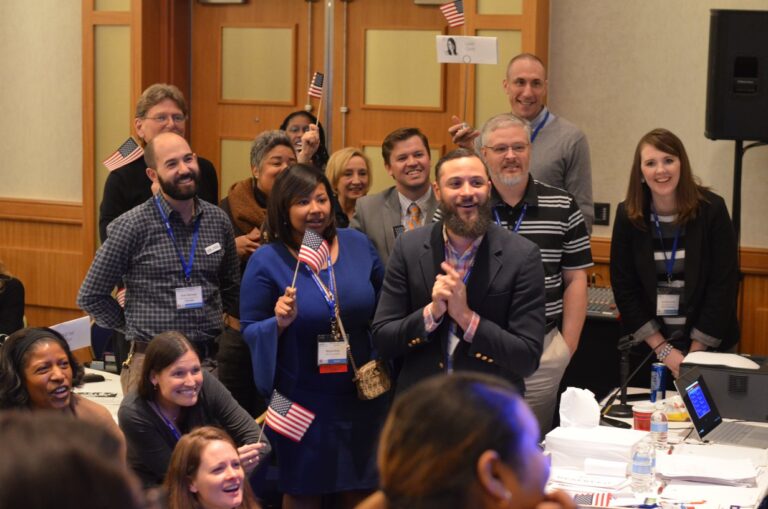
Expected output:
(108, 393)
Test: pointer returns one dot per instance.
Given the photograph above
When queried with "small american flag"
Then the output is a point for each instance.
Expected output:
(129, 151)
(454, 13)
(288, 418)
(314, 250)
(593, 499)
(316, 86)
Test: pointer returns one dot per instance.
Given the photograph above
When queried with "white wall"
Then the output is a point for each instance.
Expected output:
(621, 68)
(40, 102)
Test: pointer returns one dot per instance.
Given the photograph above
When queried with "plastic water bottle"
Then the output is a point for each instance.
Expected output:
(659, 426)
(643, 466)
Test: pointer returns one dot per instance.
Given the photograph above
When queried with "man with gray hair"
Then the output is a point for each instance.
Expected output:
(560, 155)
(161, 108)
(551, 219)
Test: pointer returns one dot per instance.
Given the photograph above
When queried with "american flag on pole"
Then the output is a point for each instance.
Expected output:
(127, 152)
(314, 250)
(454, 13)
(593, 499)
(316, 86)
(288, 418)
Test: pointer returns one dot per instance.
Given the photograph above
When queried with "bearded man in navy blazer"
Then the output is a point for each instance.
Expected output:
(462, 293)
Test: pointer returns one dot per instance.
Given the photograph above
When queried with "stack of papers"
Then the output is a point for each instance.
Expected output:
(727, 472)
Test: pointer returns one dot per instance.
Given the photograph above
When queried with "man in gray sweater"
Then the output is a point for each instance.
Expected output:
(560, 155)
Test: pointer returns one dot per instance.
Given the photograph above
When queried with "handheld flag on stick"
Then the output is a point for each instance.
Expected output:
(314, 251)
(454, 13)
(316, 85)
(128, 152)
(288, 418)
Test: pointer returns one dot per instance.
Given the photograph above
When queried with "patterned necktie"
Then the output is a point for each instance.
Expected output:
(414, 216)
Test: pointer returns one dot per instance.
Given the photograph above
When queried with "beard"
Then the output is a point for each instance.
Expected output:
(467, 229)
(173, 190)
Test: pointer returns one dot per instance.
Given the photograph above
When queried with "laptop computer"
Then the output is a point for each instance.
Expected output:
(707, 422)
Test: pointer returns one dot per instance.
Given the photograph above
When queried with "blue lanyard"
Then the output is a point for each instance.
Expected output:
(538, 127)
(174, 431)
(169, 230)
(519, 219)
(329, 293)
(669, 263)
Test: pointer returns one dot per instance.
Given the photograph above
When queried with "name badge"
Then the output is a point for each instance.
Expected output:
(668, 298)
(189, 297)
(213, 248)
(331, 354)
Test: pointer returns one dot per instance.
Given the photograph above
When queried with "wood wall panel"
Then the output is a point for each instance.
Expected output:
(42, 244)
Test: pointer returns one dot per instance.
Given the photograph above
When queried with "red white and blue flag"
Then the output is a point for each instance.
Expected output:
(288, 418)
(128, 152)
(316, 85)
(454, 13)
(314, 250)
(593, 499)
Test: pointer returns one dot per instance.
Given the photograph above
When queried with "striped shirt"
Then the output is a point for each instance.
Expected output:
(553, 222)
(662, 251)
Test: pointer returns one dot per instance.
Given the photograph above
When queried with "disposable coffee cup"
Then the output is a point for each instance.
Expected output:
(642, 414)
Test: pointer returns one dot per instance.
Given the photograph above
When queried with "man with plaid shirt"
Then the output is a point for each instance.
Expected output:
(462, 293)
(176, 256)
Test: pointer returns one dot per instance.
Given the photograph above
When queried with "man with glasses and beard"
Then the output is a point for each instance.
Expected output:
(462, 293)
(551, 218)
(176, 256)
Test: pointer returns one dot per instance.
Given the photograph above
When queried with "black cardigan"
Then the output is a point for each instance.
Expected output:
(711, 272)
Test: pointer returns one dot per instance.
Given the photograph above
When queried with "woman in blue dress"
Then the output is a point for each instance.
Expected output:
(289, 329)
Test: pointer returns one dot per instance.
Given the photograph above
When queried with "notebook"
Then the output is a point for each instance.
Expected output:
(707, 422)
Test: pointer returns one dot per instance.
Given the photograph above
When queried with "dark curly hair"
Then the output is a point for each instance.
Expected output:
(14, 355)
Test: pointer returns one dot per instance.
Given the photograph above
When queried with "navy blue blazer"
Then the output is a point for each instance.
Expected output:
(505, 287)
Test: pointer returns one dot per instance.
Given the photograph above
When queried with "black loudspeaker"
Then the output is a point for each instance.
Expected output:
(737, 78)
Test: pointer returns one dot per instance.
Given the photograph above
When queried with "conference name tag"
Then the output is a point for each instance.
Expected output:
(213, 248)
(189, 297)
(331, 354)
(668, 296)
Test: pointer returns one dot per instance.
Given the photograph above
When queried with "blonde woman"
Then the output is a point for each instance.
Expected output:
(349, 171)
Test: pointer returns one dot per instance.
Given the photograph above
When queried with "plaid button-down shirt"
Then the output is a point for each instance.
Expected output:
(140, 253)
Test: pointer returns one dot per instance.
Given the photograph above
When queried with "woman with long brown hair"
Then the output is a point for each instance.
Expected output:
(674, 268)
(205, 473)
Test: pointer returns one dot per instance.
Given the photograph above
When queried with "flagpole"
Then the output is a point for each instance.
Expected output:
(466, 74)
(319, 109)
(295, 273)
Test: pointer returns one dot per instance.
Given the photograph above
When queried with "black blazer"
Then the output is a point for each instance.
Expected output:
(505, 287)
(711, 272)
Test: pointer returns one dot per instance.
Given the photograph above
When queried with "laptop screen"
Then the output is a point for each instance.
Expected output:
(698, 400)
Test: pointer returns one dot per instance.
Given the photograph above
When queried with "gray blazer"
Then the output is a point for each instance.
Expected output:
(377, 215)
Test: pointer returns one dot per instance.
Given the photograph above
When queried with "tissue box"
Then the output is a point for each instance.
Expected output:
(569, 447)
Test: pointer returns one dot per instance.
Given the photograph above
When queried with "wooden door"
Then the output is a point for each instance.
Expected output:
(251, 65)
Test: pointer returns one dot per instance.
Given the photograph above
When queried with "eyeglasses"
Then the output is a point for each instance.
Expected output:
(296, 128)
(163, 119)
(501, 150)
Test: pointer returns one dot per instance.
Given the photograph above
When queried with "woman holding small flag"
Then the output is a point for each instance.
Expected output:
(301, 294)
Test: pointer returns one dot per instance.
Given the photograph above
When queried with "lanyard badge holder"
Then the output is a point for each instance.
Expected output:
(187, 297)
(669, 293)
(372, 378)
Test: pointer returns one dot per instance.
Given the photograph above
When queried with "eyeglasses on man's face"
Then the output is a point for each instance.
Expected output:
(177, 118)
(502, 150)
